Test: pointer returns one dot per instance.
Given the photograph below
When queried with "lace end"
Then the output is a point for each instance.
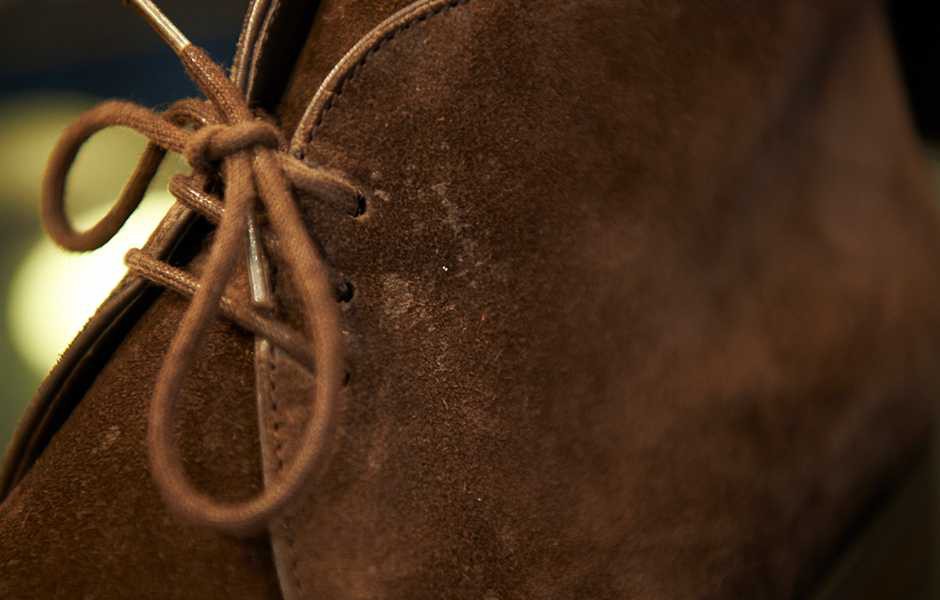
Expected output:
(159, 21)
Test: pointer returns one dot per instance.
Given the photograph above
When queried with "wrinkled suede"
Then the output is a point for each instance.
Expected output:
(642, 309)
(644, 303)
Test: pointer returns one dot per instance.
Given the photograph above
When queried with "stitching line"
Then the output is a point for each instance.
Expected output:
(272, 371)
(269, 375)
(277, 422)
(261, 43)
(357, 67)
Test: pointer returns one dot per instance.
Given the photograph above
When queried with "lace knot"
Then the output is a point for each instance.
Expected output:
(215, 142)
(256, 172)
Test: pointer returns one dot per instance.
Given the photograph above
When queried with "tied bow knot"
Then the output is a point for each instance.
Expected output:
(212, 143)
(248, 153)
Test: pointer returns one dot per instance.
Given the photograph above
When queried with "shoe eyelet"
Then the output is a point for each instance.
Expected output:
(345, 291)
(361, 206)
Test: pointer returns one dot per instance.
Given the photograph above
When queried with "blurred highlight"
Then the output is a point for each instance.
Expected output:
(49, 275)
(46, 293)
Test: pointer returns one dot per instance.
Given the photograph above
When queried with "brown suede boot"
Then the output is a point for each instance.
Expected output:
(604, 299)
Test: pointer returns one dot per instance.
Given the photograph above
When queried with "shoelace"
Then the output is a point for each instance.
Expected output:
(249, 154)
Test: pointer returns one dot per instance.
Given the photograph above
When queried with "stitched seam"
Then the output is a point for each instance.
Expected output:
(340, 86)
(277, 422)
(359, 64)
(270, 374)
(276, 425)
(264, 36)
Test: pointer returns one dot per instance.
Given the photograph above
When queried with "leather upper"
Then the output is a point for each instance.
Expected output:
(641, 309)
(621, 325)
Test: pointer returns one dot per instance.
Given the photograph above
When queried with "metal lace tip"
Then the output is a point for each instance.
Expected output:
(161, 24)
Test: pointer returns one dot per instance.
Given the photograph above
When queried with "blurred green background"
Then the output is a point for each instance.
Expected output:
(51, 71)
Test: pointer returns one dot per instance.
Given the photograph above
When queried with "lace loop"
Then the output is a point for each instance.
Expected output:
(244, 149)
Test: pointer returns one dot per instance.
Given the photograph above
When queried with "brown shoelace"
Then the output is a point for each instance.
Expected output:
(249, 154)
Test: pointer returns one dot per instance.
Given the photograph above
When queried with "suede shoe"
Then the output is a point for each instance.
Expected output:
(570, 300)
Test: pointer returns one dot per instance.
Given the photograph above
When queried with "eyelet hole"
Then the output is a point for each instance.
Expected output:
(361, 205)
(345, 291)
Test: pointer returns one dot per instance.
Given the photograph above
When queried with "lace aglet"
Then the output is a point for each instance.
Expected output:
(161, 24)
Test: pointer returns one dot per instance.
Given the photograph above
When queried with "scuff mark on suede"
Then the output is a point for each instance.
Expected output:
(271, 373)
(663, 276)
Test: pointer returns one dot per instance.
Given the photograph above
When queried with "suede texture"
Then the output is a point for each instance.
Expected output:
(641, 309)
(338, 26)
(644, 302)
(87, 522)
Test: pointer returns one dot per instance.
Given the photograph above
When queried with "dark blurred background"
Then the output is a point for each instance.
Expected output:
(916, 25)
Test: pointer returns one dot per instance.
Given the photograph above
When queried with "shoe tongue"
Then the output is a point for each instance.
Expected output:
(338, 25)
